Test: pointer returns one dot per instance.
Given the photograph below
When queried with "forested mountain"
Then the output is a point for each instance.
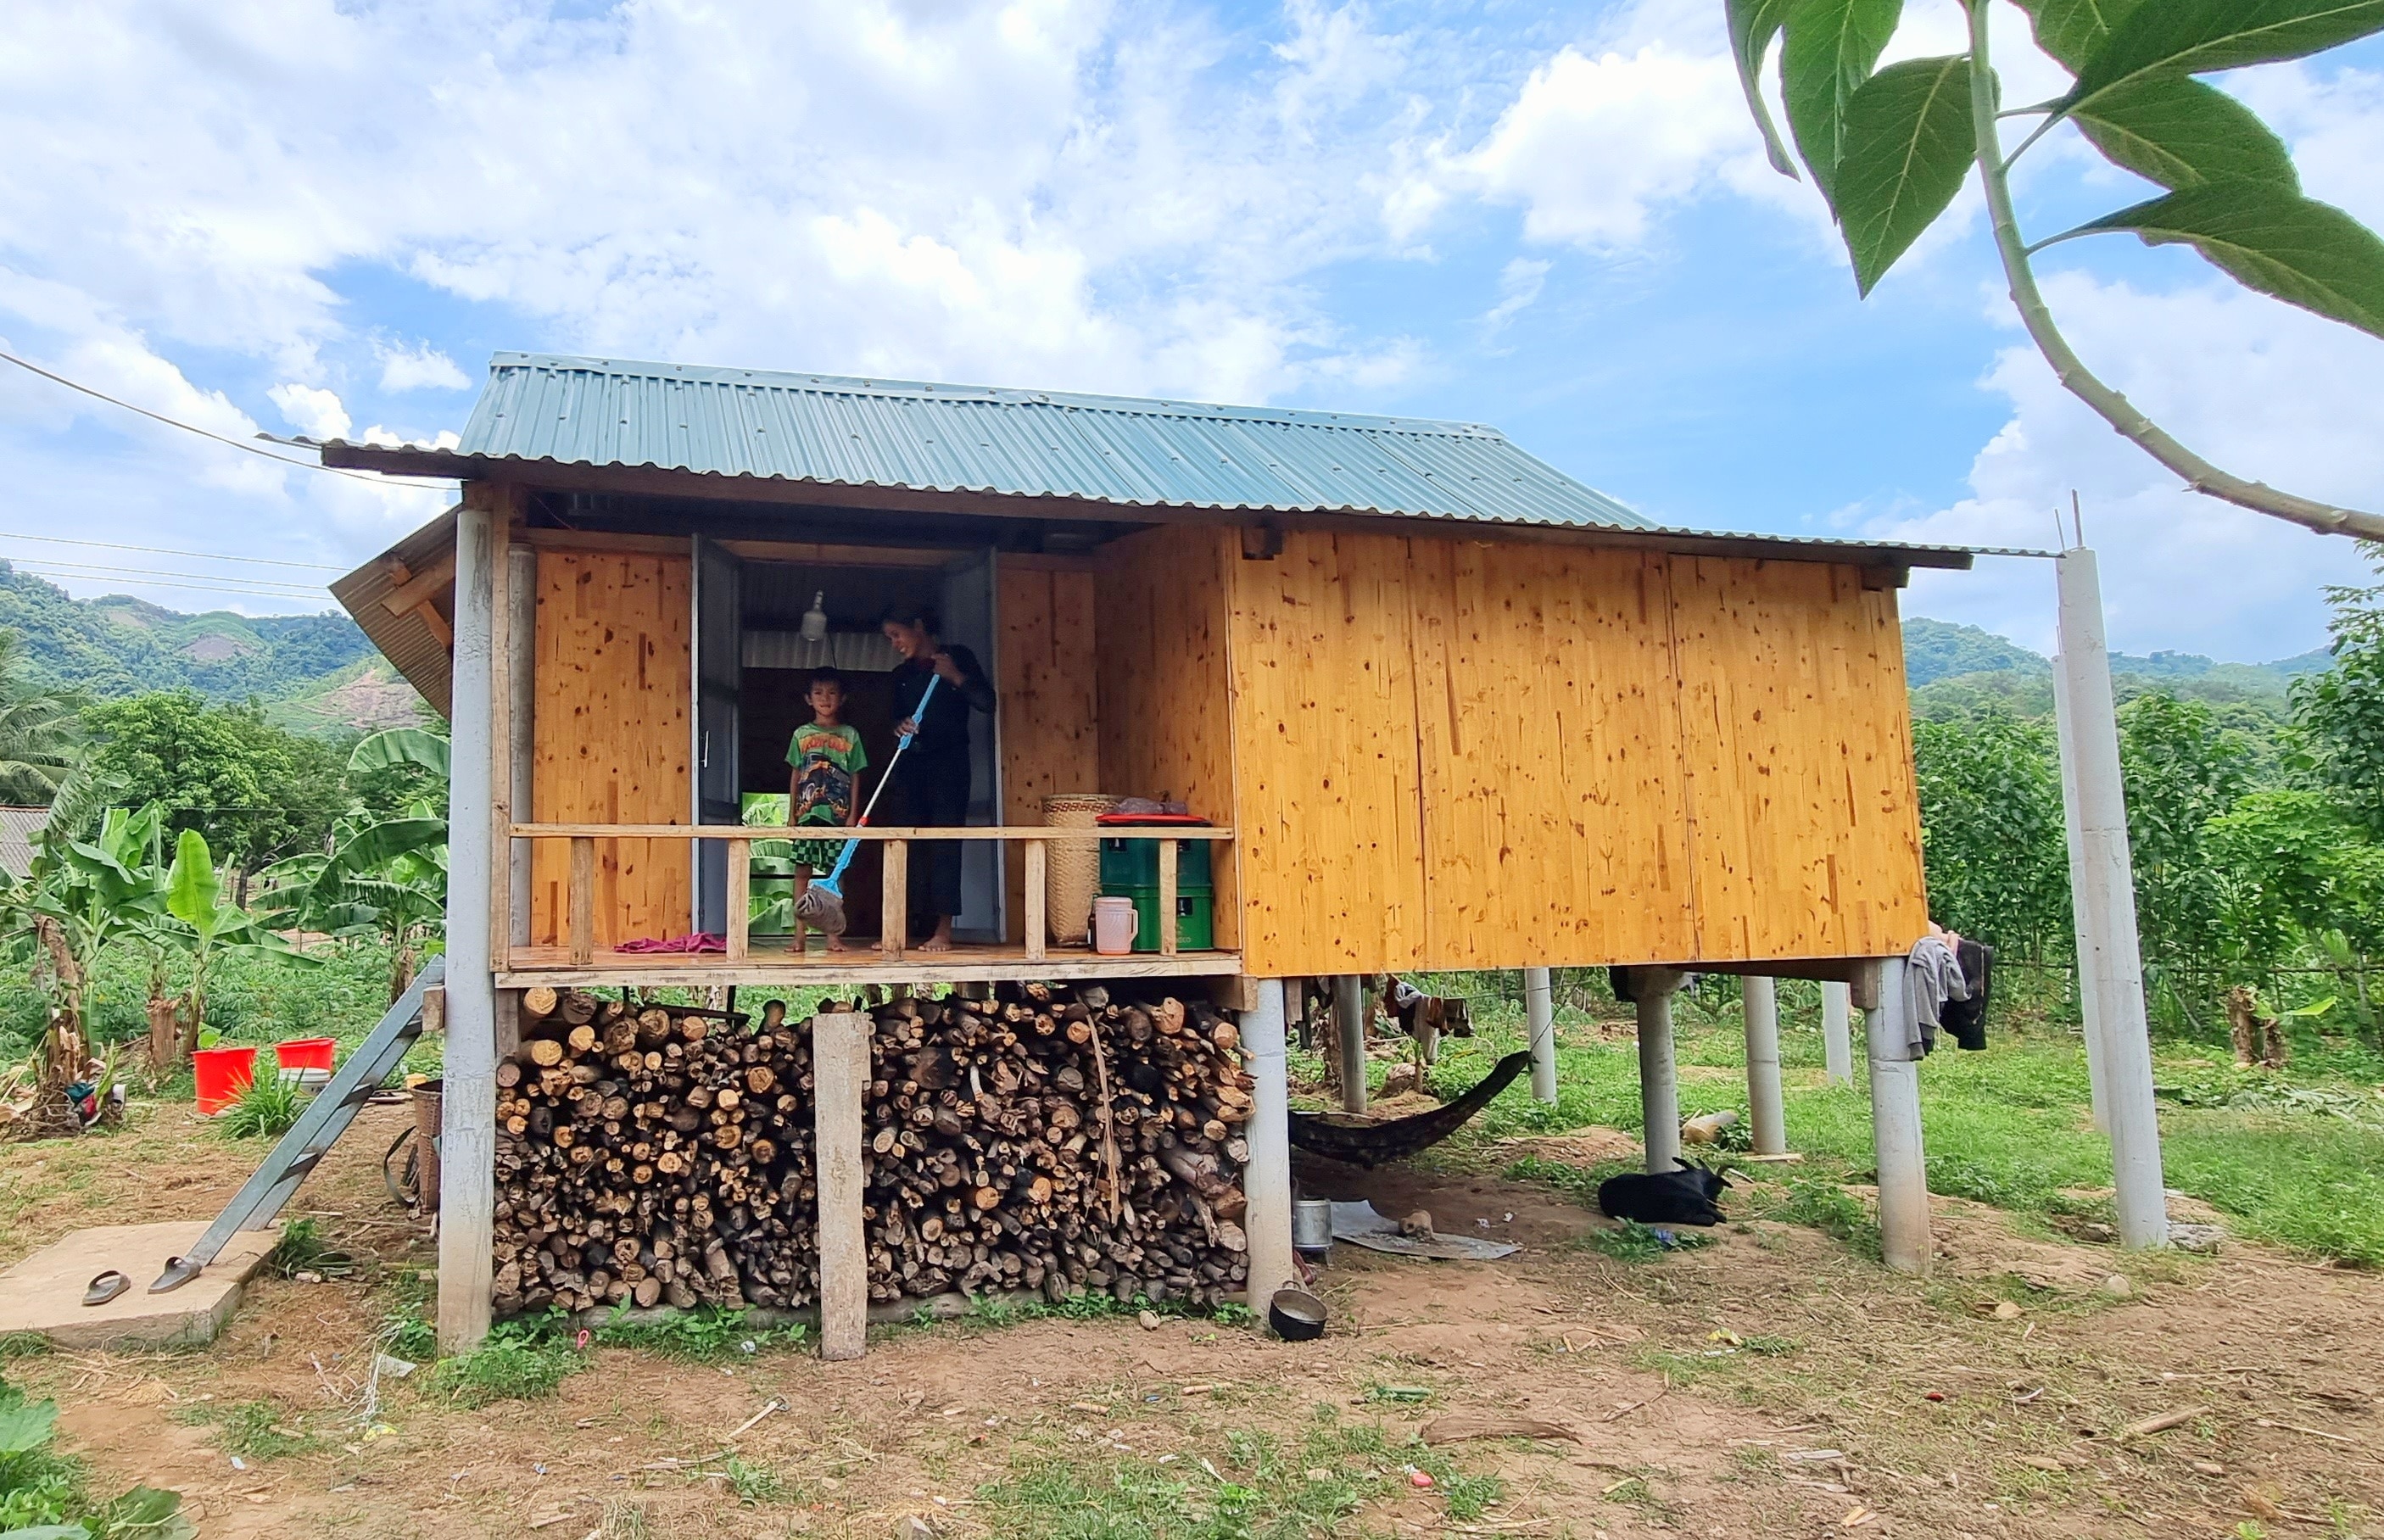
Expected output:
(1959, 670)
(312, 671)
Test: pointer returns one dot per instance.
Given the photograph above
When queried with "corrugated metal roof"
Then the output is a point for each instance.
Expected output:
(834, 430)
(20, 828)
(407, 639)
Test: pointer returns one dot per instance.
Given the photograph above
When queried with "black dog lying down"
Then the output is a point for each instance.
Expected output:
(1682, 1197)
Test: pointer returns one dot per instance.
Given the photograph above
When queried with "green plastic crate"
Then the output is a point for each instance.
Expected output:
(1135, 863)
(1196, 918)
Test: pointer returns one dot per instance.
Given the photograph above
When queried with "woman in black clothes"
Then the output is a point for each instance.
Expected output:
(930, 785)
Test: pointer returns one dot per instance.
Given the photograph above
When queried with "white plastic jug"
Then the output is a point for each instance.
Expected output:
(1115, 925)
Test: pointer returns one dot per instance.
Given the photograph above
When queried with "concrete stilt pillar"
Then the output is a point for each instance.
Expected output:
(1266, 1180)
(1350, 1030)
(1540, 1014)
(2109, 953)
(1764, 1107)
(1659, 1093)
(1904, 1243)
(1837, 1036)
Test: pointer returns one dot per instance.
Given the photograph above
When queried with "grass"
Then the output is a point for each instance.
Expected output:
(2296, 1159)
(523, 1359)
(252, 1430)
(268, 1107)
(1255, 1487)
(1630, 1241)
(701, 1335)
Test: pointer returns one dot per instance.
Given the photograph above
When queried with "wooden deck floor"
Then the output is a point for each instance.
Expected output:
(774, 964)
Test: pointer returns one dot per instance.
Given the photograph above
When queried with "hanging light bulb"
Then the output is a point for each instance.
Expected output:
(815, 618)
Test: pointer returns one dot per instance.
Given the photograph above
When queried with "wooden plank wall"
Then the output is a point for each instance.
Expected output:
(610, 740)
(1049, 689)
(1165, 729)
(1462, 754)
(1799, 760)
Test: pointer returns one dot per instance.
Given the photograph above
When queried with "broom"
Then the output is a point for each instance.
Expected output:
(822, 904)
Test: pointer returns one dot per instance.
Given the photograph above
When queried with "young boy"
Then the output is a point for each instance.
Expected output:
(824, 784)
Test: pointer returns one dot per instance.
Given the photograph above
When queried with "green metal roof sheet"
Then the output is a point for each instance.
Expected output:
(838, 431)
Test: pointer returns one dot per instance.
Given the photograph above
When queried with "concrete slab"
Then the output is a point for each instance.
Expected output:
(43, 1292)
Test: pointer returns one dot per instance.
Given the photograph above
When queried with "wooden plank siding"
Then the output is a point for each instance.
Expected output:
(1165, 730)
(1463, 755)
(1049, 689)
(1798, 760)
(610, 740)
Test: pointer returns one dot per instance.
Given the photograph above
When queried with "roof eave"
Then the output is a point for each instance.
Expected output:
(661, 480)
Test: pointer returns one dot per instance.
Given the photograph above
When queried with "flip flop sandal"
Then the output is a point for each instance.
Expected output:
(107, 1286)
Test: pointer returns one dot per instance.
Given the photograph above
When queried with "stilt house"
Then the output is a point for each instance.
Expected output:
(1443, 706)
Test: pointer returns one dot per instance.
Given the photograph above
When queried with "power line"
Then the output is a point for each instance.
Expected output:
(193, 588)
(204, 433)
(162, 551)
(100, 570)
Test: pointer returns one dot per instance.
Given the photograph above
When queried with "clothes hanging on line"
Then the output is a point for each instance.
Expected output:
(1966, 1017)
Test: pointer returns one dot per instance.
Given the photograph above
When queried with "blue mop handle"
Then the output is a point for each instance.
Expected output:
(853, 847)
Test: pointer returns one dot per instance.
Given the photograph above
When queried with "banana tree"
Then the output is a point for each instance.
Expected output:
(382, 877)
(80, 896)
(206, 924)
(1889, 149)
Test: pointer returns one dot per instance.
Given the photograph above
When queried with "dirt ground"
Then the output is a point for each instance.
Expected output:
(1769, 1384)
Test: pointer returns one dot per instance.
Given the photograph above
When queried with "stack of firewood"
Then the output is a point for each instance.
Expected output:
(1050, 1140)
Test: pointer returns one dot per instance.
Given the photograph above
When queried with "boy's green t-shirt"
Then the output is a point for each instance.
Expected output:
(825, 760)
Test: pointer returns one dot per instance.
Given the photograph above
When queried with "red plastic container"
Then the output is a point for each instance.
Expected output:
(222, 1074)
(308, 1053)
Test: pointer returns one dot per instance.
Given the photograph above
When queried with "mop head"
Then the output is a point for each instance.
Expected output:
(822, 908)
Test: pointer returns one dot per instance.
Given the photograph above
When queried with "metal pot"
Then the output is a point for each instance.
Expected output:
(1311, 1226)
(1295, 1315)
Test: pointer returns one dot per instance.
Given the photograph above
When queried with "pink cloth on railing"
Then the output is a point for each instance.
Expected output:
(697, 941)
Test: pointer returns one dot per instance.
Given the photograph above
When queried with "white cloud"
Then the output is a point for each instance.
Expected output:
(313, 412)
(1519, 285)
(420, 368)
(2261, 390)
(1594, 146)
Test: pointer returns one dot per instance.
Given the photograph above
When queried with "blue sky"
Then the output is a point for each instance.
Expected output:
(317, 218)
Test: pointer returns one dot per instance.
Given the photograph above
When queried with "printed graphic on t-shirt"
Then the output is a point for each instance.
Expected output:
(825, 760)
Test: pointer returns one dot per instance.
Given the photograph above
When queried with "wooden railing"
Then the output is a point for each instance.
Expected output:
(579, 908)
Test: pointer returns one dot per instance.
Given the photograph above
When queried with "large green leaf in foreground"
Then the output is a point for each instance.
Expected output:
(2175, 131)
(1909, 143)
(2301, 251)
(2198, 36)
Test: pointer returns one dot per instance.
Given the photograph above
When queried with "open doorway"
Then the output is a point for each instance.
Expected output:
(776, 664)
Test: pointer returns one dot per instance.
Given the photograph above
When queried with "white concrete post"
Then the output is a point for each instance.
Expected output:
(1350, 1028)
(467, 1134)
(1540, 1013)
(1764, 1107)
(1837, 1037)
(2090, 998)
(2104, 898)
(1904, 1243)
(1266, 1180)
(1659, 1093)
(841, 1082)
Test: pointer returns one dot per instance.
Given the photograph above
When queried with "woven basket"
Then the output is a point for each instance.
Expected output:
(1073, 876)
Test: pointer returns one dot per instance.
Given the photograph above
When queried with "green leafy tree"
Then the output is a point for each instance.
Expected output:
(1991, 832)
(2339, 713)
(385, 874)
(254, 790)
(40, 738)
(1890, 148)
(2182, 770)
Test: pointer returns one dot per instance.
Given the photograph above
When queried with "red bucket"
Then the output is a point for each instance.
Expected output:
(308, 1053)
(222, 1074)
